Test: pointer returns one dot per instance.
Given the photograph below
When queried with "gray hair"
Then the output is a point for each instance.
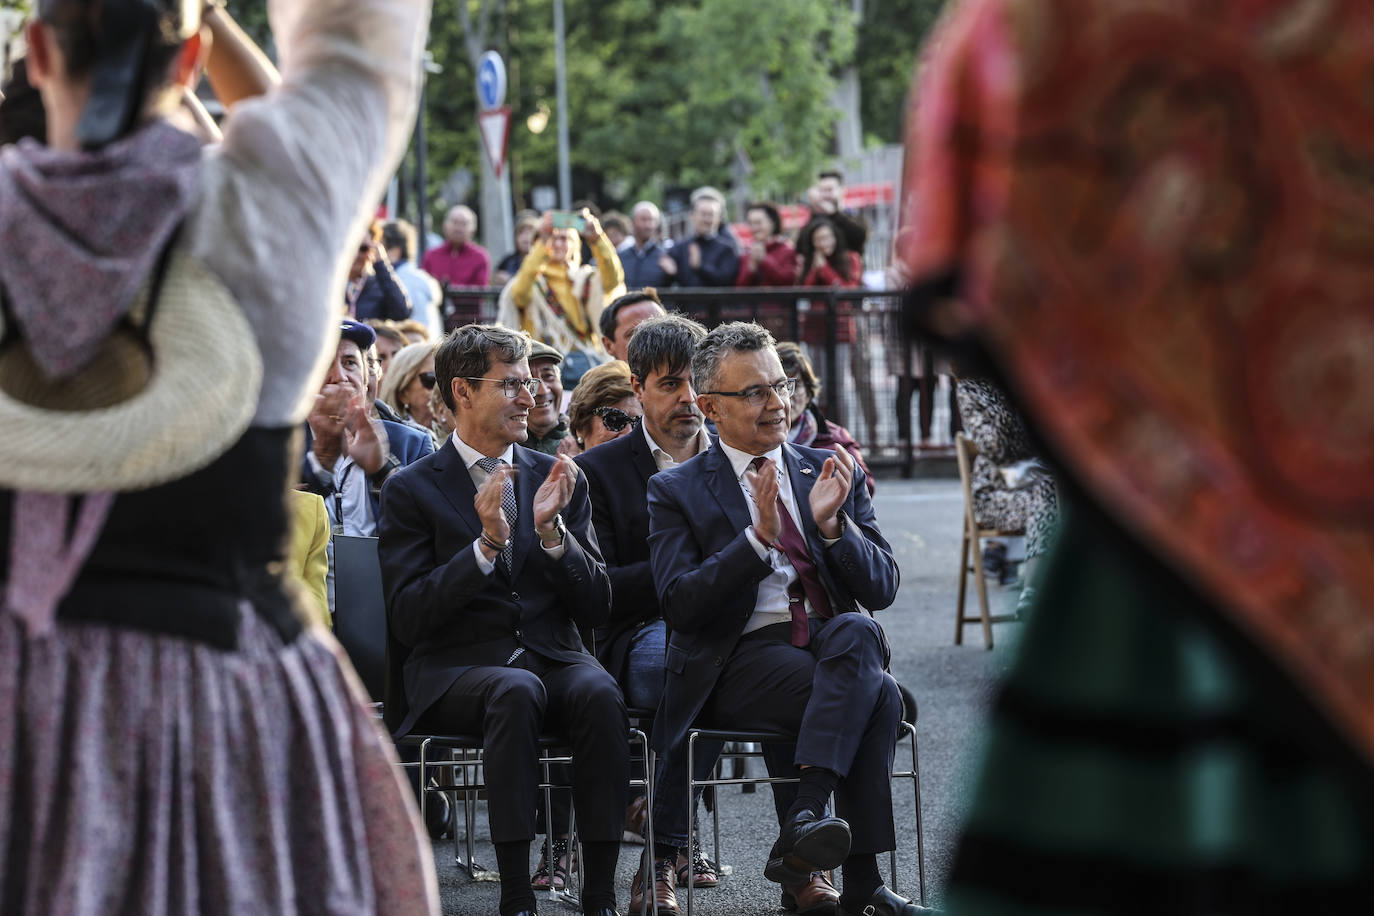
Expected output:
(666, 343)
(469, 351)
(646, 205)
(708, 193)
(733, 337)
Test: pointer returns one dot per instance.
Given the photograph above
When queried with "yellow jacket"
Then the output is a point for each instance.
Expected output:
(309, 562)
(580, 291)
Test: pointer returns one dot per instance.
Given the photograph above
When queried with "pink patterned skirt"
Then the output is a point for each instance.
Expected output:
(157, 775)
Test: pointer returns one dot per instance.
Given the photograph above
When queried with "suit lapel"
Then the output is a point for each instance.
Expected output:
(641, 456)
(801, 476)
(527, 481)
(723, 485)
(455, 483)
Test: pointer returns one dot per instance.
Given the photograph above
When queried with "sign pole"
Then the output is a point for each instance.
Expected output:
(497, 230)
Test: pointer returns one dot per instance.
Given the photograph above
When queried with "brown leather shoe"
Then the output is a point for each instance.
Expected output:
(665, 887)
(635, 815)
(816, 896)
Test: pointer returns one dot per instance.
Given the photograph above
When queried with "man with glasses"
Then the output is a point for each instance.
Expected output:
(768, 564)
(548, 425)
(490, 566)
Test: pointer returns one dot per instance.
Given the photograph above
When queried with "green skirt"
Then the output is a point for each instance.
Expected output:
(1145, 757)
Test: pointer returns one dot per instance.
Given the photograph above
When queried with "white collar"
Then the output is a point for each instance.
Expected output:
(703, 439)
(740, 461)
(471, 456)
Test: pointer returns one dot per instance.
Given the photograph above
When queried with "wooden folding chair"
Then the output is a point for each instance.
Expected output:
(973, 539)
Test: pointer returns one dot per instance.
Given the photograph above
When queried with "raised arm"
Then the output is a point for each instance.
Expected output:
(300, 170)
(236, 67)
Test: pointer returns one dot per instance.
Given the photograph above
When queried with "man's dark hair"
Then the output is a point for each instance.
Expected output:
(469, 351)
(609, 315)
(733, 337)
(664, 345)
(832, 173)
(399, 234)
(771, 212)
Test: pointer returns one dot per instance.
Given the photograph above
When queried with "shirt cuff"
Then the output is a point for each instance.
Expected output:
(556, 551)
(759, 547)
(844, 524)
(485, 565)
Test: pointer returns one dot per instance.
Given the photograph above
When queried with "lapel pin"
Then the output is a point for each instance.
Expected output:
(806, 469)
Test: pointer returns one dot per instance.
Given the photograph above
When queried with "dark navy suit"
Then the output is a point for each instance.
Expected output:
(834, 694)
(618, 475)
(452, 632)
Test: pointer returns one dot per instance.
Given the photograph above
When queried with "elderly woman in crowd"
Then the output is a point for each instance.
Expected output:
(557, 299)
(407, 385)
(145, 611)
(809, 425)
(603, 407)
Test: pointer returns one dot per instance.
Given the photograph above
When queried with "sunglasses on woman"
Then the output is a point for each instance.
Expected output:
(427, 379)
(614, 418)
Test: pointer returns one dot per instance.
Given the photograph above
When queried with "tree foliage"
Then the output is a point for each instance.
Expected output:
(668, 93)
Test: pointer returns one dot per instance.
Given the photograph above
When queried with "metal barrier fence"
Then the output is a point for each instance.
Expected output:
(883, 386)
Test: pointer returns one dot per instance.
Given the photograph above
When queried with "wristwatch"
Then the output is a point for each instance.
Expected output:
(378, 477)
(558, 528)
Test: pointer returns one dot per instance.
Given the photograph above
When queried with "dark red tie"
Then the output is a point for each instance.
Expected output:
(808, 584)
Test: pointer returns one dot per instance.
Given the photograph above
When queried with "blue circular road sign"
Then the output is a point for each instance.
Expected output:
(491, 80)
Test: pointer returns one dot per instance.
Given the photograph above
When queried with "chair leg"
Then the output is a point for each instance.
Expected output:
(647, 863)
(920, 827)
(963, 587)
(715, 823)
(981, 584)
(691, 807)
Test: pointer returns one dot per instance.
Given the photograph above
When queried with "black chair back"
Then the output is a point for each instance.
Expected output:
(360, 609)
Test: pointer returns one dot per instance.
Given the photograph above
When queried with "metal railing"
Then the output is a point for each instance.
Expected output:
(877, 381)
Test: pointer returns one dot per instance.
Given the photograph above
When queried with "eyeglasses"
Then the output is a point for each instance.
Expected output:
(510, 386)
(757, 395)
(614, 418)
(427, 379)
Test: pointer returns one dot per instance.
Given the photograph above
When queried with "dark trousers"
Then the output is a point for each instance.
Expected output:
(835, 696)
(510, 707)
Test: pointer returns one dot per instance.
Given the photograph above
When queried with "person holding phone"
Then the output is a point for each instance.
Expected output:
(556, 298)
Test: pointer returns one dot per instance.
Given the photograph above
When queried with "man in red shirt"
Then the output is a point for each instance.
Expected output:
(459, 261)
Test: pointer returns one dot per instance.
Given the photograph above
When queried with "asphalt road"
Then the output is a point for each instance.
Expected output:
(952, 686)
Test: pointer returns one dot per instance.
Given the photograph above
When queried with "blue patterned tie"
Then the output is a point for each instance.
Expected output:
(507, 503)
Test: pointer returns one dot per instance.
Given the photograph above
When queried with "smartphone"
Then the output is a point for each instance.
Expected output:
(564, 220)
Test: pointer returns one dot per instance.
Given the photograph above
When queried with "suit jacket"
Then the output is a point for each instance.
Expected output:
(618, 474)
(719, 261)
(707, 573)
(407, 443)
(444, 615)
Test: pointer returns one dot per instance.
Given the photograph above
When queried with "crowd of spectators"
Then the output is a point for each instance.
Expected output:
(455, 450)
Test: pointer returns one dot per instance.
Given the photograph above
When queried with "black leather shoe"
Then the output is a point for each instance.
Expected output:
(807, 844)
(439, 819)
(885, 903)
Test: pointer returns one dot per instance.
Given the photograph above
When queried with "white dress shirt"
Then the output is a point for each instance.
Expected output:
(350, 492)
(470, 457)
(662, 459)
(773, 603)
